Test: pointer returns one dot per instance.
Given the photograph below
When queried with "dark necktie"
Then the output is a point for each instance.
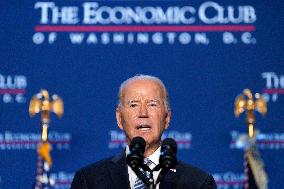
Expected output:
(138, 183)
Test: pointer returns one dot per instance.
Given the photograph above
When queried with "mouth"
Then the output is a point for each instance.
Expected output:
(143, 127)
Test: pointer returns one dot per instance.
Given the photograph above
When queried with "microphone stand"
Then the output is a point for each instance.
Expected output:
(149, 175)
(145, 174)
(161, 174)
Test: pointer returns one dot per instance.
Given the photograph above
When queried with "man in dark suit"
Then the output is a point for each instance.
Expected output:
(143, 110)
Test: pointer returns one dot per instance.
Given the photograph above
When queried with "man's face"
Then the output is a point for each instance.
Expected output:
(143, 111)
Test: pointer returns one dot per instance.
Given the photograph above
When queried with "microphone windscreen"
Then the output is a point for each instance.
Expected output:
(170, 142)
(138, 141)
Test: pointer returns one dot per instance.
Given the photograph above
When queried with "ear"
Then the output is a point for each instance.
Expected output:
(168, 119)
(118, 118)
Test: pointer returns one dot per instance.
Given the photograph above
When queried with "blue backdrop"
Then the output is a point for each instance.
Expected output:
(206, 52)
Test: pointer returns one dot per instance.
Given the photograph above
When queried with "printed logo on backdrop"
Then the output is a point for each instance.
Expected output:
(105, 23)
(60, 180)
(183, 139)
(28, 141)
(274, 86)
(273, 141)
(13, 88)
(229, 180)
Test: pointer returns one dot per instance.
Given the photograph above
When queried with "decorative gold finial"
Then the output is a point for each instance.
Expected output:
(246, 102)
(41, 103)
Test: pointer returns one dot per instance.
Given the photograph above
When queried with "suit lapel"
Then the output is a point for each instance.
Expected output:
(119, 172)
(170, 180)
(120, 179)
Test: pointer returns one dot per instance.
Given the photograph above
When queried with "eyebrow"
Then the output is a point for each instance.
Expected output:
(132, 101)
(157, 101)
(135, 101)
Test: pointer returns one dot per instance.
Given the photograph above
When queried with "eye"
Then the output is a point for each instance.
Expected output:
(133, 105)
(152, 104)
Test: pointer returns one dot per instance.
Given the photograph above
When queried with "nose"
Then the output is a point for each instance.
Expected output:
(143, 111)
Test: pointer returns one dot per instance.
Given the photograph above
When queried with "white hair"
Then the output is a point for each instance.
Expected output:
(144, 77)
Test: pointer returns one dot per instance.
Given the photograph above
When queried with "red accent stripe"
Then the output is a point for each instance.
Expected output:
(124, 141)
(270, 142)
(12, 91)
(265, 142)
(132, 28)
(273, 91)
(32, 142)
(183, 142)
(222, 182)
(63, 182)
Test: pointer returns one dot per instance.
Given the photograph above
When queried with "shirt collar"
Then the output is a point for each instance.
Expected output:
(155, 156)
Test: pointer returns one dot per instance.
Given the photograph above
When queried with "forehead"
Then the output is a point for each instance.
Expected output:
(142, 88)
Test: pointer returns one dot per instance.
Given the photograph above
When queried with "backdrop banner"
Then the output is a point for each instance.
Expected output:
(206, 52)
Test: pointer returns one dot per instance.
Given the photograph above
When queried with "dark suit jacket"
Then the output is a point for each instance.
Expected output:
(112, 173)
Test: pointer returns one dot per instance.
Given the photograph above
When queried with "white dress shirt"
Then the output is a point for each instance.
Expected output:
(154, 158)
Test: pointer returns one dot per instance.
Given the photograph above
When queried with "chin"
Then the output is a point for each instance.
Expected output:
(150, 142)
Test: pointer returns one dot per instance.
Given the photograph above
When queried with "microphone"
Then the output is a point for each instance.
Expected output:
(135, 157)
(168, 158)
